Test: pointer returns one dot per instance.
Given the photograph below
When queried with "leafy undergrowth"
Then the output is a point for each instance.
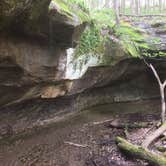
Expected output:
(102, 29)
(71, 9)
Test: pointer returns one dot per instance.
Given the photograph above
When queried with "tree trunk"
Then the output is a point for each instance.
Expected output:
(148, 6)
(107, 3)
(116, 9)
(123, 5)
(132, 5)
(136, 7)
(162, 103)
(162, 87)
(160, 5)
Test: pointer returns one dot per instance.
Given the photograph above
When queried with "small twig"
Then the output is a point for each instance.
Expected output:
(101, 122)
(77, 145)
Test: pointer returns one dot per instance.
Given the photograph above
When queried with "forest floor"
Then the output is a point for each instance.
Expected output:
(87, 140)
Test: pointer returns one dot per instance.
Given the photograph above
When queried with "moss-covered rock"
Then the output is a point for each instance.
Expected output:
(34, 37)
(53, 21)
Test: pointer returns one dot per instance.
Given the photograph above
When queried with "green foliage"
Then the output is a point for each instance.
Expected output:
(90, 41)
(103, 18)
(131, 39)
(80, 3)
(123, 40)
(71, 8)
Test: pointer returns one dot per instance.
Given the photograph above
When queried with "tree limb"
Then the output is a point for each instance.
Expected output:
(164, 84)
(155, 73)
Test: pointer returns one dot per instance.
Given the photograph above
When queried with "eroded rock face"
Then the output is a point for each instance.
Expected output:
(129, 80)
(27, 66)
(34, 36)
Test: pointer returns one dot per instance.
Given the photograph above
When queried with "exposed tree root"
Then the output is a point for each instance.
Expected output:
(140, 152)
(154, 136)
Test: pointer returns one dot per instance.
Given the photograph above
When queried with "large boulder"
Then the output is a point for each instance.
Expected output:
(50, 20)
(34, 37)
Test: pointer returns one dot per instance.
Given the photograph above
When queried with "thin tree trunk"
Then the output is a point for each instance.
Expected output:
(116, 8)
(148, 6)
(136, 7)
(162, 87)
(123, 4)
(107, 3)
(160, 5)
(132, 5)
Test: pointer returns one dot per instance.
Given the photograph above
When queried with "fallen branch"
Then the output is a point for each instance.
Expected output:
(77, 145)
(140, 152)
(154, 136)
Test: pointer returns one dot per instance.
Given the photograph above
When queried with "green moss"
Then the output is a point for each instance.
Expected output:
(70, 10)
(90, 41)
(131, 38)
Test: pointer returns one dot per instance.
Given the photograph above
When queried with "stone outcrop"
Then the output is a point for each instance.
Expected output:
(33, 89)
(48, 20)
(33, 42)
(128, 81)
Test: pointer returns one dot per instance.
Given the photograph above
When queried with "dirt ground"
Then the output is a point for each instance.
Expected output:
(88, 142)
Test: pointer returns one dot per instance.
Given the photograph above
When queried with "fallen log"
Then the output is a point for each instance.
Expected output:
(140, 152)
(154, 136)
